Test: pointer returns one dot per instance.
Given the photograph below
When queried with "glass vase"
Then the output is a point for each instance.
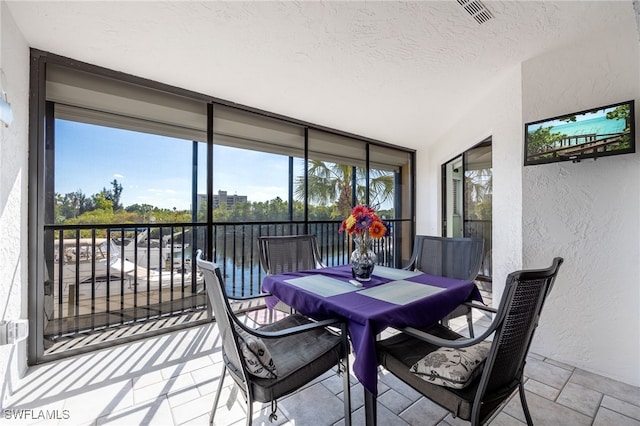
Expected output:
(363, 258)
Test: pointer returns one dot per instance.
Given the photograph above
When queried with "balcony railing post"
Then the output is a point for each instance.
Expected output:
(138, 254)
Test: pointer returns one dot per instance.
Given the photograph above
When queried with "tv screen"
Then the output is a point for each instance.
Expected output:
(593, 133)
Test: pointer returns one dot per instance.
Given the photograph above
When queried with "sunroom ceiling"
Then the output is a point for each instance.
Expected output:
(400, 72)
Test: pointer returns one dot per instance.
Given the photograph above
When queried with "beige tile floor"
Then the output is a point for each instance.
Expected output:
(171, 380)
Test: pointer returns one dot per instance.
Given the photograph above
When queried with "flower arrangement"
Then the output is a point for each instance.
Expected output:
(364, 225)
(363, 221)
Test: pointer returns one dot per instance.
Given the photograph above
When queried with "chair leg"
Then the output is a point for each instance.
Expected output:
(217, 398)
(470, 323)
(346, 383)
(525, 407)
(444, 322)
(249, 410)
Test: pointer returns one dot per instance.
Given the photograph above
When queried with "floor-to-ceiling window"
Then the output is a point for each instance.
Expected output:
(391, 190)
(112, 218)
(132, 177)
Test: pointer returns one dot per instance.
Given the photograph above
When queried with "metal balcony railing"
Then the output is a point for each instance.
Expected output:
(482, 229)
(102, 276)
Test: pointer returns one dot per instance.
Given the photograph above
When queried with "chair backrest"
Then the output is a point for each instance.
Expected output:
(448, 257)
(517, 316)
(280, 254)
(223, 313)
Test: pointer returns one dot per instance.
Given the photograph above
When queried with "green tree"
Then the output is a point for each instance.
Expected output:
(114, 194)
(478, 193)
(241, 212)
(221, 214)
(276, 209)
(71, 205)
(102, 202)
(622, 112)
(542, 140)
(331, 184)
(143, 210)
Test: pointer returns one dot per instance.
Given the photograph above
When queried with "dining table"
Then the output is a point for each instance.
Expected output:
(392, 298)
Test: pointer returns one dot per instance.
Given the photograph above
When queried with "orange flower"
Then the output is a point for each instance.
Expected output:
(377, 229)
(364, 220)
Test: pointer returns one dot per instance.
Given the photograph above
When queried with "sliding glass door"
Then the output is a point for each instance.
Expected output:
(467, 189)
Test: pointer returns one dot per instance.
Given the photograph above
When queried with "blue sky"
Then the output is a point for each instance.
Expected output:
(157, 170)
(580, 117)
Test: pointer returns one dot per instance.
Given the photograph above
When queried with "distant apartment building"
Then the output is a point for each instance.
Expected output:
(220, 199)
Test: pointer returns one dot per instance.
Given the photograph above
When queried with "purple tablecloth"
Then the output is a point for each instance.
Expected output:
(326, 293)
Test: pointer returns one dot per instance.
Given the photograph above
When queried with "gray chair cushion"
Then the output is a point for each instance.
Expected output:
(399, 353)
(301, 359)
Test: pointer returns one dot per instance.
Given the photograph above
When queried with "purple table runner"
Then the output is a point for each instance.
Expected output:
(395, 298)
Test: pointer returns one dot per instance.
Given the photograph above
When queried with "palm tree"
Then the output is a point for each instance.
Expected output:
(331, 183)
(479, 190)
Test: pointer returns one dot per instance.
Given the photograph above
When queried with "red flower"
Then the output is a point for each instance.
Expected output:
(363, 219)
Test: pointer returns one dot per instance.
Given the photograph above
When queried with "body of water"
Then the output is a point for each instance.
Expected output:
(599, 126)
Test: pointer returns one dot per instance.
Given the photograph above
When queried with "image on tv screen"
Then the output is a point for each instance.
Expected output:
(587, 134)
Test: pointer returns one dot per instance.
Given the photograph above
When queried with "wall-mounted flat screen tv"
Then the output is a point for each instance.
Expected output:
(593, 133)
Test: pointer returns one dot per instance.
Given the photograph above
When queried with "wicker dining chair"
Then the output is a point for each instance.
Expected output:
(449, 257)
(288, 253)
(473, 377)
(275, 360)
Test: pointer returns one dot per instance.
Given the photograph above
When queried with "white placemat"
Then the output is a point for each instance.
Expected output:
(400, 292)
(322, 285)
(394, 274)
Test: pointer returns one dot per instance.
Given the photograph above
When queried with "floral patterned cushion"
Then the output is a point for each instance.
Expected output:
(454, 368)
(256, 355)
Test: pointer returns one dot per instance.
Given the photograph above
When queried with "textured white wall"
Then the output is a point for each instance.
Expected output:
(497, 114)
(587, 212)
(14, 61)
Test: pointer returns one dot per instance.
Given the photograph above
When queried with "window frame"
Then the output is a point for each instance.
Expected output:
(41, 136)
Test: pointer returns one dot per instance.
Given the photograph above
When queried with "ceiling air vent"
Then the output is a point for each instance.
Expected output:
(477, 10)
